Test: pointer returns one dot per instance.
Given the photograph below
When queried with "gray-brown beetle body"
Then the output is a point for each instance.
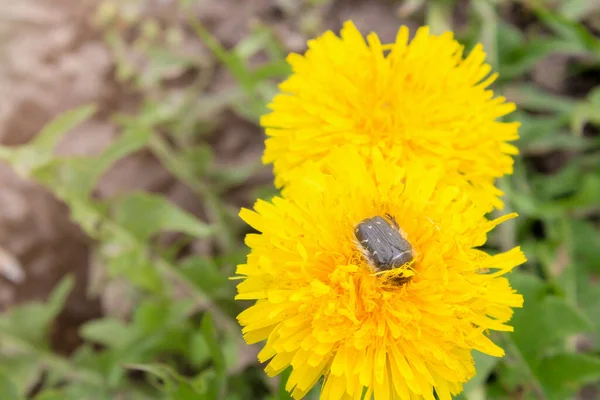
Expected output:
(382, 243)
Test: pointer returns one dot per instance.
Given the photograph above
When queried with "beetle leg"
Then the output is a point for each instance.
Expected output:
(394, 222)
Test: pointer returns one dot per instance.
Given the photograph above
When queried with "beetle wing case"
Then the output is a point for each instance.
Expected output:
(382, 244)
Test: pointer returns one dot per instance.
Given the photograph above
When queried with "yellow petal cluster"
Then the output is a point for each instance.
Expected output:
(323, 310)
(412, 100)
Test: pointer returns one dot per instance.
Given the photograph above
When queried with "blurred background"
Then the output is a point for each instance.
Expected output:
(130, 140)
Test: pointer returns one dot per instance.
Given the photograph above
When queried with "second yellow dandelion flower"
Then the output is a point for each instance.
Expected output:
(418, 99)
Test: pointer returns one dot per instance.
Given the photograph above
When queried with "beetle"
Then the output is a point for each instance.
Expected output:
(382, 243)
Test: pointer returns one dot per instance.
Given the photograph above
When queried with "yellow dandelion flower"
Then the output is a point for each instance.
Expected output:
(412, 100)
(324, 309)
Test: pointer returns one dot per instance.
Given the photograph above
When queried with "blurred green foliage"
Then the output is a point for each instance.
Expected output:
(182, 341)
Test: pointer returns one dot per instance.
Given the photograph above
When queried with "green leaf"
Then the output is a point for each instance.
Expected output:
(208, 330)
(562, 375)
(588, 194)
(594, 96)
(584, 113)
(163, 63)
(157, 327)
(41, 149)
(59, 296)
(255, 88)
(128, 258)
(199, 351)
(50, 135)
(145, 214)
(50, 395)
(219, 384)
(234, 62)
(273, 69)
(185, 172)
(540, 135)
(283, 394)
(24, 370)
(227, 178)
(580, 279)
(8, 388)
(589, 297)
(541, 328)
(559, 185)
(204, 273)
(166, 379)
(563, 319)
(252, 44)
(531, 98)
(584, 245)
(575, 10)
(87, 357)
(74, 178)
(197, 160)
(495, 391)
(110, 332)
(31, 322)
(187, 392)
(79, 391)
(518, 54)
(570, 31)
(542, 312)
(152, 316)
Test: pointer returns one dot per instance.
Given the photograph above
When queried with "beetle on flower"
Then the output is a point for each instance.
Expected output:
(382, 243)
(323, 310)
